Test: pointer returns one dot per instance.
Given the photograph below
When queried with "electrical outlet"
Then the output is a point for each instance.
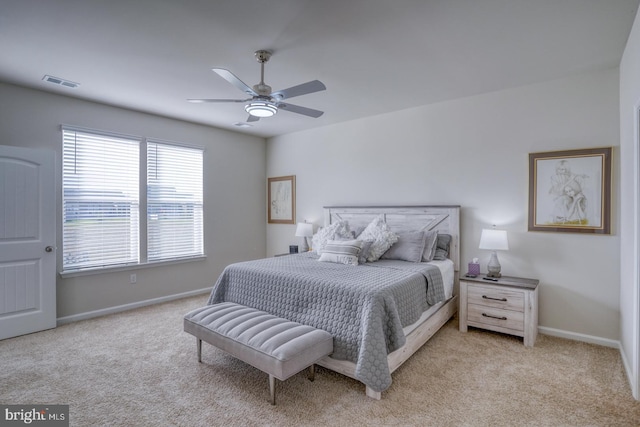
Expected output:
(133, 278)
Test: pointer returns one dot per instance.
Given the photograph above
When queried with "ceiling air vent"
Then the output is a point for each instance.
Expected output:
(60, 82)
(242, 125)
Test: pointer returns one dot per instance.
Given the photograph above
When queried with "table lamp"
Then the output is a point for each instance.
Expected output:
(304, 230)
(494, 240)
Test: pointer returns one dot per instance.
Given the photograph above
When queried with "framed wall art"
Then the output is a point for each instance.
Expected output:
(281, 200)
(570, 191)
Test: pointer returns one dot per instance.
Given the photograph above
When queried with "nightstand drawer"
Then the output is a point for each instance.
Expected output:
(489, 318)
(496, 297)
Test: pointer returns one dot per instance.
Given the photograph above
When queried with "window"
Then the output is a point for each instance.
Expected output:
(101, 206)
(174, 201)
(103, 192)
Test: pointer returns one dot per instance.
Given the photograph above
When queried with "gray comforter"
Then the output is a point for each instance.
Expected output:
(364, 307)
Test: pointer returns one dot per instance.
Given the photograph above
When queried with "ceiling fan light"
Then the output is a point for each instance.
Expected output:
(261, 108)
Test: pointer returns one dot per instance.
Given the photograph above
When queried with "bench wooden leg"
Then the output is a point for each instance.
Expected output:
(272, 389)
(199, 349)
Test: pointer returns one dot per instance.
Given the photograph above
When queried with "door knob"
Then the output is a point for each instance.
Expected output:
(48, 249)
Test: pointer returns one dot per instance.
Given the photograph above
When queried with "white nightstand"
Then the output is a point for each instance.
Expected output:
(509, 305)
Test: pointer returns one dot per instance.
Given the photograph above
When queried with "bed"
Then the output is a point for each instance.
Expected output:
(379, 313)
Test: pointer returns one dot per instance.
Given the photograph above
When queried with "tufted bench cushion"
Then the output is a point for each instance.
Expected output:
(277, 346)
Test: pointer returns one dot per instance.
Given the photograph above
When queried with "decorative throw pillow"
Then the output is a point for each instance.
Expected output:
(409, 247)
(336, 231)
(364, 252)
(442, 247)
(341, 251)
(379, 232)
(430, 245)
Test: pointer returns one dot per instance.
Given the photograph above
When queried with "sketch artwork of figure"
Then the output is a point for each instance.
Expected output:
(571, 207)
(569, 201)
(577, 210)
(281, 200)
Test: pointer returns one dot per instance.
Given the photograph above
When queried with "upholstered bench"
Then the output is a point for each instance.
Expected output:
(277, 346)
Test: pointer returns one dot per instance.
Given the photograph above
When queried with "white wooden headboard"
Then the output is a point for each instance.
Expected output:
(445, 219)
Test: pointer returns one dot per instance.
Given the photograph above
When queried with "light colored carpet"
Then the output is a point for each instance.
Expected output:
(139, 368)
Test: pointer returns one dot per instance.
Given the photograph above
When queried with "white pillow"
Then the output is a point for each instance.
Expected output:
(341, 251)
(337, 231)
(383, 238)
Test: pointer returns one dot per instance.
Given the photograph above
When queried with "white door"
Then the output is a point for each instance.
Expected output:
(27, 241)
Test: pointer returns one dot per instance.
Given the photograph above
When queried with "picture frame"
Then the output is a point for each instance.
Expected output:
(281, 200)
(570, 191)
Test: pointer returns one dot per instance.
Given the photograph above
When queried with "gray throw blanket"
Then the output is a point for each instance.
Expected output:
(364, 307)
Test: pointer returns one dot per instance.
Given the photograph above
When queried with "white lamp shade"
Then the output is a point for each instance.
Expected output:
(494, 240)
(304, 229)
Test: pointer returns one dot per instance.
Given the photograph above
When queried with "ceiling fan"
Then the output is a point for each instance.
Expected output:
(264, 102)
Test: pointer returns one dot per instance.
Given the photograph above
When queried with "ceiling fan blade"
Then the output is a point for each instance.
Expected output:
(200, 101)
(252, 118)
(231, 78)
(303, 89)
(301, 110)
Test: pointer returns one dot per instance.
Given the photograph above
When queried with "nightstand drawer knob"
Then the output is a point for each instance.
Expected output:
(494, 299)
(494, 317)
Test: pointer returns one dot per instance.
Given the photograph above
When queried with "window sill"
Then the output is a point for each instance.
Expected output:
(104, 270)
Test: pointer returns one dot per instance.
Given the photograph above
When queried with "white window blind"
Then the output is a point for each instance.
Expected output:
(174, 201)
(100, 199)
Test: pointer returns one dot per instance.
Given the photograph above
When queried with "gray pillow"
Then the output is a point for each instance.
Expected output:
(358, 230)
(409, 247)
(430, 245)
(442, 247)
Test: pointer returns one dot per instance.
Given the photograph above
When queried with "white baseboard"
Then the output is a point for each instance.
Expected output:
(125, 307)
(579, 337)
(629, 372)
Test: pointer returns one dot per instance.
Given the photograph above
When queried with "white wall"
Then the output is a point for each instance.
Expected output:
(234, 168)
(474, 152)
(629, 207)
